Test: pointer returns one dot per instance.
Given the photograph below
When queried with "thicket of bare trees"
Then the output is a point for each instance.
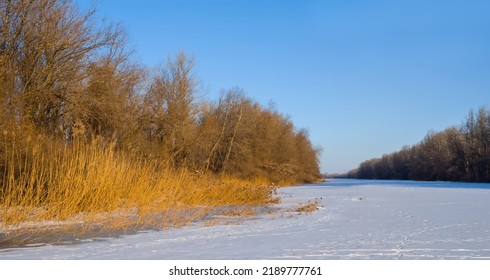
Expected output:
(455, 154)
(243, 138)
(64, 77)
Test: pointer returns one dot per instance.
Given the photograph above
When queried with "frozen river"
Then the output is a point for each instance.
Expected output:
(356, 220)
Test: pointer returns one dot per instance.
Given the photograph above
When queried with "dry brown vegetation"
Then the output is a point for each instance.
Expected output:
(84, 130)
(308, 207)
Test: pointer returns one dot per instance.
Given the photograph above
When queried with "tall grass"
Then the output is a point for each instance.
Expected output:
(47, 179)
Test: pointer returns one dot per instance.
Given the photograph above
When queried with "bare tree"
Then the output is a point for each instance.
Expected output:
(171, 107)
(47, 47)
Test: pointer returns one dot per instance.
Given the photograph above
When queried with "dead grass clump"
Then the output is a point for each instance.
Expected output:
(308, 207)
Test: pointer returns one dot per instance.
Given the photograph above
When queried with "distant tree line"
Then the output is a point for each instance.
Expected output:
(64, 76)
(455, 154)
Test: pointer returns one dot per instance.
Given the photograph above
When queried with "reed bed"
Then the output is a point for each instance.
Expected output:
(46, 182)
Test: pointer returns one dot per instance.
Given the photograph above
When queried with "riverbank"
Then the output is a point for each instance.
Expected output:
(355, 220)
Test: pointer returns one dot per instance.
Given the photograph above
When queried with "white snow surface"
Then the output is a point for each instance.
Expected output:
(356, 220)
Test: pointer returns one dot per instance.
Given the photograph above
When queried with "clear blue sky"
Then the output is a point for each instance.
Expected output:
(364, 77)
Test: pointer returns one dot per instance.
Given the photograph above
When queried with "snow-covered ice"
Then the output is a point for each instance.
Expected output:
(356, 220)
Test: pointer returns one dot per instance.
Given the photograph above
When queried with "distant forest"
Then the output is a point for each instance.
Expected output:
(455, 154)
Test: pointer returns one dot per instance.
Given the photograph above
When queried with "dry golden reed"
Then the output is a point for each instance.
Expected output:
(49, 180)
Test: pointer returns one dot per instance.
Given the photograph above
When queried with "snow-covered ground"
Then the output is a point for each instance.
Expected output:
(356, 220)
